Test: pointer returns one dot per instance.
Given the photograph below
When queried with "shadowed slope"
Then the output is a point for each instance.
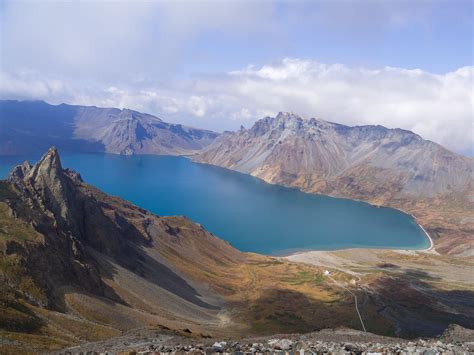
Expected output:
(31, 127)
(91, 243)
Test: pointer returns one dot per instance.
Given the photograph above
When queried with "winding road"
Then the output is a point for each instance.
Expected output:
(355, 300)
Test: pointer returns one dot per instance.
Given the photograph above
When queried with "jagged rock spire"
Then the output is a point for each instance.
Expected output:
(19, 172)
(47, 185)
(288, 116)
(48, 168)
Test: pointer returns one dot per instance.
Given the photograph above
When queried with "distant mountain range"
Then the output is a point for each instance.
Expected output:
(31, 127)
(331, 158)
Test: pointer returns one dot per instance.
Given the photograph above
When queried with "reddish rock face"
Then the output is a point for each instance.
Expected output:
(290, 150)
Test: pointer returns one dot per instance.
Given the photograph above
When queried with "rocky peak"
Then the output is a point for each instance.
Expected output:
(289, 120)
(20, 171)
(47, 185)
(47, 169)
(127, 114)
(282, 121)
(288, 116)
(131, 115)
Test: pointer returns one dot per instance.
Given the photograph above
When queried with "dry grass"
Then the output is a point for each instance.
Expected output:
(14, 229)
(269, 295)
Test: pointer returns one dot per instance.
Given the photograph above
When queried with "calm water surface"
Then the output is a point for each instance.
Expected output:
(249, 213)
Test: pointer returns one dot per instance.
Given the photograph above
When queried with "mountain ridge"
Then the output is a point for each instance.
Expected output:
(328, 150)
(32, 126)
(84, 231)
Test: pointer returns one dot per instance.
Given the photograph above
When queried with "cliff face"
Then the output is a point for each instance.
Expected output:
(31, 127)
(132, 132)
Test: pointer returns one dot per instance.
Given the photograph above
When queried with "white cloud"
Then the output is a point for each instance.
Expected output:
(127, 40)
(436, 106)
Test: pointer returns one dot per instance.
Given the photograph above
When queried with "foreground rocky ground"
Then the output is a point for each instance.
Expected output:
(455, 340)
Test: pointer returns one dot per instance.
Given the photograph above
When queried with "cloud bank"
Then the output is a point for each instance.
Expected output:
(439, 107)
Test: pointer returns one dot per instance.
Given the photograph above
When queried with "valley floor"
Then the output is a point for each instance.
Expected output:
(412, 283)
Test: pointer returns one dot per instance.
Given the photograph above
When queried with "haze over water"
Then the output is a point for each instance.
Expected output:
(249, 213)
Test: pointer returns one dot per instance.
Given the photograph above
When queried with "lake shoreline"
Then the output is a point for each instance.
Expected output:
(431, 247)
(306, 254)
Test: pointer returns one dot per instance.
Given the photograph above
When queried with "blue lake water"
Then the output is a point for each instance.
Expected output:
(249, 213)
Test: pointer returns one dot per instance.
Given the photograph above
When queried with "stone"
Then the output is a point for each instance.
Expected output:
(283, 344)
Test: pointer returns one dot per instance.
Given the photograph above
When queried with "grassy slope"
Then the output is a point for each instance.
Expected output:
(21, 322)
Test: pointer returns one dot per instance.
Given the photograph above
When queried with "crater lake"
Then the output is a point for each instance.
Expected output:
(250, 214)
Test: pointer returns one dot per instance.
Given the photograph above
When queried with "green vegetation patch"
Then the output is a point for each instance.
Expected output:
(11, 269)
(5, 191)
(305, 277)
(14, 315)
(13, 228)
(265, 263)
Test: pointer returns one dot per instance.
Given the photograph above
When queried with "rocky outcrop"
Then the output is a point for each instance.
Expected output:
(48, 187)
(340, 341)
(30, 127)
(80, 227)
(48, 199)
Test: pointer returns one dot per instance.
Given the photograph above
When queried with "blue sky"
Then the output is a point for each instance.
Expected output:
(220, 64)
(435, 36)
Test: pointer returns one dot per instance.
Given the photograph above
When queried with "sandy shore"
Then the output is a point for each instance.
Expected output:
(345, 258)
(431, 247)
(302, 253)
(360, 261)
